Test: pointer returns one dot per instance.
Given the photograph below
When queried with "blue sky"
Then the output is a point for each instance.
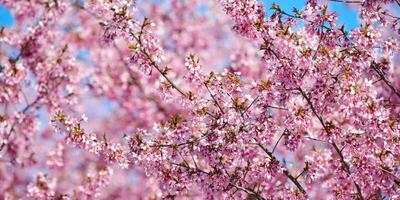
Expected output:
(6, 19)
(346, 15)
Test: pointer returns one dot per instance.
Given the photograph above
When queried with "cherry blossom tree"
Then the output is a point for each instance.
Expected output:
(199, 99)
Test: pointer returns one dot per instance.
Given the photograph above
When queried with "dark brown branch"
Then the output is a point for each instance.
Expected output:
(188, 142)
(345, 165)
(189, 168)
(251, 104)
(348, 1)
(305, 169)
(248, 191)
(213, 97)
(327, 130)
(286, 172)
(383, 78)
(276, 144)
(29, 105)
(26, 109)
(156, 66)
(298, 17)
(314, 110)
(278, 108)
(267, 47)
(315, 139)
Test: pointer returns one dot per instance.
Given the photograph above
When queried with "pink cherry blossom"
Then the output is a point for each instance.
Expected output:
(227, 99)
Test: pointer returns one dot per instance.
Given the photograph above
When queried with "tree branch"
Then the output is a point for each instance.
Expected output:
(276, 144)
(138, 39)
(213, 97)
(248, 191)
(286, 172)
(327, 130)
(349, 1)
(382, 77)
(26, 109)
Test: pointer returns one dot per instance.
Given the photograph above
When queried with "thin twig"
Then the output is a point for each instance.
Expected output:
(348, 1)
(276, 144)
(248, 191)
(278, 108)
(251, 104)
(213, 97)
(26, 109)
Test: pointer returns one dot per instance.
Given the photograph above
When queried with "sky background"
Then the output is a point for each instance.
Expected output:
(346, 15)
(6, 19)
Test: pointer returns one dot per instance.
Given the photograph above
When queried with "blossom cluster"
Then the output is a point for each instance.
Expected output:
(226, 99)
